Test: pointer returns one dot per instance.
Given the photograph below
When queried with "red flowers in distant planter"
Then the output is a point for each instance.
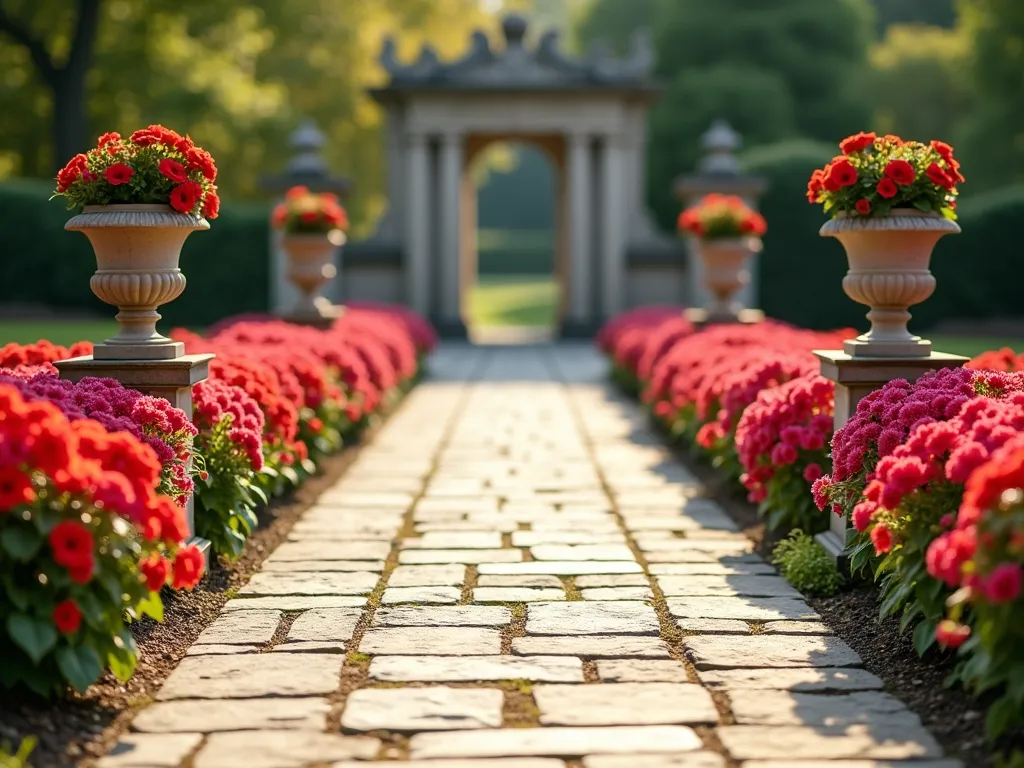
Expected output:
(153, 165)
(306, 213)
(722, 217)
(875, 174)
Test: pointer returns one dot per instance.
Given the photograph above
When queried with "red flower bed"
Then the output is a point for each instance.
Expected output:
(85, 539)
(751, 398)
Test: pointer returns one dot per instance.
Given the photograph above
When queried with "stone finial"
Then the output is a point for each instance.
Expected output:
(514, 28)
(307, 141)
(720, 143)
(307, 165)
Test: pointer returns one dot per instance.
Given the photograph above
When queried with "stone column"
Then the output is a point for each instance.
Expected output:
(581, 261)
(450, 310)
(170, 379)
(417, 235)
(854, 378)
(613, 239)
(392, 223)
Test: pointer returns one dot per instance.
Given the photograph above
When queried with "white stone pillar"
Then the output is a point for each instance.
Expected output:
(581, 262)
(417, 235)
(450, 310)
(613, 216)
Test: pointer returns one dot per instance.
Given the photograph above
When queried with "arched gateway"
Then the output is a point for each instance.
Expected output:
(588, 115)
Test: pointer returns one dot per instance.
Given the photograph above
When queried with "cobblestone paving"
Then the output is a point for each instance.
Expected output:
(516, 574)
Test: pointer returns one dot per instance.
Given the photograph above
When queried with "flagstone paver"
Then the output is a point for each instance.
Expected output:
(210, 716)
(625, 704)
(422, 709)
(515, 476)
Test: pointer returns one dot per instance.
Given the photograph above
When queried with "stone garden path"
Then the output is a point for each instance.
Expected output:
(516, 574)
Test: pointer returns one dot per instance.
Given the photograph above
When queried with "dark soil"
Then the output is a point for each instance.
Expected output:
(955, 719)
(85, 726)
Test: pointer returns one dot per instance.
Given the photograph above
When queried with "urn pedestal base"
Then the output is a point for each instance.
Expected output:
(170, 379)
(322, 319)
(856, 377)
(860, 347)
(702, 317)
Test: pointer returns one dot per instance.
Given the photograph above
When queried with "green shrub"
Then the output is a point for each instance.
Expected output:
(806, 565)
(227, 267)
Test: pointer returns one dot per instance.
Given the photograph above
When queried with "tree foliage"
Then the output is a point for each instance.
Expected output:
(237, 76)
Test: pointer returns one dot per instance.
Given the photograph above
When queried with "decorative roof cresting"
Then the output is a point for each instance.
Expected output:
(518, 66)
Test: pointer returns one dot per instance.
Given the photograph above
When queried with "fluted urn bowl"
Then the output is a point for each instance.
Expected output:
(310, 268)
(889, 258)
(137, 250)
(726, 265)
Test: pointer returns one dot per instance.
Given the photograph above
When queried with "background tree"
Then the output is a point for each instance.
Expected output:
(61, 54)
(992, 138)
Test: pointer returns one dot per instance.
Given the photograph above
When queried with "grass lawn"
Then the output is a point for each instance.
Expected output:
(63, 332)
(522, 301)
(971, 346)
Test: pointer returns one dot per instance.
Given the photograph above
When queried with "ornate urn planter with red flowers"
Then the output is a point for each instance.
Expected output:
(313, 229)
(139, 199)
(890, 202)
(728, 233)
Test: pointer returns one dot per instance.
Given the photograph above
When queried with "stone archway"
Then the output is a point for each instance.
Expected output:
(592, 112)
(553, 148)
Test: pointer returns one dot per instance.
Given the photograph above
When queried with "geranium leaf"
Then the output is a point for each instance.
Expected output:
(80, 665)
(33, 635)
(21, 542)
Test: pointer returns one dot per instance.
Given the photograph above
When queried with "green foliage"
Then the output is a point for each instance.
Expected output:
(33, 653)
(227, 267)
(774, 70)
(806, 565)
(993, 134)
(940, 13)
(226, 497)
(918, 84)
(17, 759)
(789, 504)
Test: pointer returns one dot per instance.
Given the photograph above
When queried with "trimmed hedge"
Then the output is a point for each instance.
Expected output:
(228, 267)
(801, 273)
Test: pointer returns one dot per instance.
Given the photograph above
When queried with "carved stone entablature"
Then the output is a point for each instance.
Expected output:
(518, 67)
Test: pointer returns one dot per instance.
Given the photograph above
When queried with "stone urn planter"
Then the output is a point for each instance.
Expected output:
(889, 272)
(137, 249)
(726, 269)
(310, 268)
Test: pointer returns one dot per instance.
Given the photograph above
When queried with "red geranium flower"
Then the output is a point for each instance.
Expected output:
(211, 206)
(901, 172)
(72, 545)
(185, 196)
(118, 174)
(155, 570)
(188, 568)
(952, 635)
(842, 173)
(108, 138)
(67, 617)
(887, 188)
(173, 170)
(863, 207)
(939, 177)
(15, 488)
(857, 142)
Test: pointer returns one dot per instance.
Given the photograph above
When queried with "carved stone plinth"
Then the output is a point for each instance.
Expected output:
(856, 377)
(324, 320)
(170, 379)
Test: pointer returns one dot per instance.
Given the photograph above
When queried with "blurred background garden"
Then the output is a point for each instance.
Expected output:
(788, 75)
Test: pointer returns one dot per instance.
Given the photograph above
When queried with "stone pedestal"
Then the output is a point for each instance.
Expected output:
(329, 313)
(854, 378)
(700, 317)
(170, 379)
